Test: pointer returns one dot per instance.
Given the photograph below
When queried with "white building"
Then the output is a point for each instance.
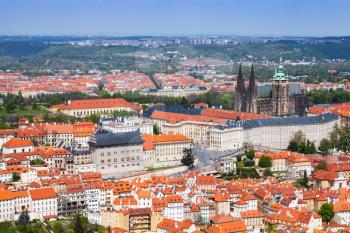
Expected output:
(117, 154)
(128, 124)
(271, 132)
(43, 204)
(16, 145)
(167, 149)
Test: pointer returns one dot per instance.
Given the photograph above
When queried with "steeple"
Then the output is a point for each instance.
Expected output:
(240, 99)
(240, 81)
(279, 72)
(252, 88)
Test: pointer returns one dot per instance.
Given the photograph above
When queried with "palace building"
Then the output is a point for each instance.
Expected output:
(280, 98)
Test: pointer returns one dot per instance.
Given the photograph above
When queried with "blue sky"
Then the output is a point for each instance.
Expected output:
(175, 17)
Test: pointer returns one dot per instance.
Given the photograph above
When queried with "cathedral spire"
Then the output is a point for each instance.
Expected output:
(240, 81)
(252, 88)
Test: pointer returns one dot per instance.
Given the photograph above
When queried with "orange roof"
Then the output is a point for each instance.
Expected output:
(59, 128)
(317, 110)
(178, 117)
(44, 193)
(150, 140)
(252, 214)
(49, 151)
(275, 155)
(324, 175)
(228, 227)
(83, 129)
(341, 207)
(100, 103)
(227, 114)
(115, 230)
(16, 142)
(9, 194)
(143, 194)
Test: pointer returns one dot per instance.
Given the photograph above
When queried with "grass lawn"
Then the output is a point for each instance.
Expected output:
(28, 110)
(160, 168)
(7, 227)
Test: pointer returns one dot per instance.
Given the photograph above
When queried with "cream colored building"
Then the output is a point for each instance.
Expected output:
(222, 138)
(165, 149)
(83, 108)
(271, 132)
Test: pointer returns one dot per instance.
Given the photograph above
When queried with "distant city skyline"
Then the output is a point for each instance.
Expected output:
(175, 17)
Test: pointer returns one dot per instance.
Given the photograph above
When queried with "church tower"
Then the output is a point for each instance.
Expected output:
(240, 94)
(280, 92)
(252, 93)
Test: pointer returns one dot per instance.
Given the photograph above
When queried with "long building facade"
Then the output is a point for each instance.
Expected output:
(271, 132)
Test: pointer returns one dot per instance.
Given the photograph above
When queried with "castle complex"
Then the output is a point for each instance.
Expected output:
(280, 98)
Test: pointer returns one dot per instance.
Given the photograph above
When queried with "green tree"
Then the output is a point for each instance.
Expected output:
(292, 146)
(93, 118)
(326, 212)
(37, 161)
(156, 129)
(325, 146)
(10, 106)
(188, 158)
(100, 85)
(305, 179)
(265, 161)
(23, 218)
(250, 154)
(321, 166)
(184, 102)
(15, 177)
(58, 227)
(267, 172)
(78, 226)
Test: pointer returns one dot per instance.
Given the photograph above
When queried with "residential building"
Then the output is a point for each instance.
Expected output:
(83, 108)
(117, 153)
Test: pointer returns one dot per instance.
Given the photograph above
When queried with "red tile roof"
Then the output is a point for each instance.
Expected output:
(101, 103)
(16, 142)
(44, 193)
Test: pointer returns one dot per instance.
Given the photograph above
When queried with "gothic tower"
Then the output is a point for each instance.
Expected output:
(280, 92)
(252, 93)
(240, 94)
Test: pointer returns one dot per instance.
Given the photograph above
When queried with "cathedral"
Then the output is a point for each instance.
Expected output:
(279, 98)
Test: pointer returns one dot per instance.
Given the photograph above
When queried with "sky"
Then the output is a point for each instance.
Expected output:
(175, 17)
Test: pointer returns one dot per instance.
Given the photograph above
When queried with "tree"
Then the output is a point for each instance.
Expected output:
(58, 227)
(326, 212)
(184, 102)
(325, 146)
(188, 158)
(305, 179)
(15, 177)
(78, 226)
(100, 85)
(265, 161)
(292, 146)
(300, 144)
(37, 161)
(321, 166)
(10, 106)
(250, 154)
(267, 172)
(156, 129)
(23, 218)
(93, 118)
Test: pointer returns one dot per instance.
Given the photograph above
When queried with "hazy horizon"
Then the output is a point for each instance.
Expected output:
(269, 18)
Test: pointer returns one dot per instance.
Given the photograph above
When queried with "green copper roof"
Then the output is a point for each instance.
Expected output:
(279, 73)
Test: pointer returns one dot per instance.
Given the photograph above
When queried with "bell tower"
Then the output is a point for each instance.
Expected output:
(280, 91)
